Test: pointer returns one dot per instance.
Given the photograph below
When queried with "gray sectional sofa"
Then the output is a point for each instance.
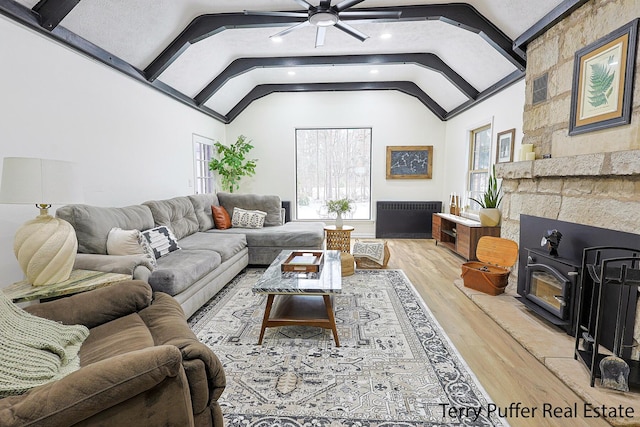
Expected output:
(208, 259)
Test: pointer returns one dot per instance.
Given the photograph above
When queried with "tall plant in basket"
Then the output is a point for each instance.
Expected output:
(233, 163)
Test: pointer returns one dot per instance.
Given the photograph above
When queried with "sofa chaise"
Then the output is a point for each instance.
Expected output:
(208, 257)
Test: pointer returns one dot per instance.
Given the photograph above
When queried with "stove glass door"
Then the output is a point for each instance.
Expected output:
(548, 288)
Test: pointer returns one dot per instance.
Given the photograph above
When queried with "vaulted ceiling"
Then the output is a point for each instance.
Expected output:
(220, 55)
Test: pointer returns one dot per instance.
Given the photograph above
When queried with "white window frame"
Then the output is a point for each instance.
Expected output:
(487, 126)
(361, 213)
(203, 151)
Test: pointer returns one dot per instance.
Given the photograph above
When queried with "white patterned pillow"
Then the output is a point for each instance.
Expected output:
(129, 242)
(162, 240)
(247, 219)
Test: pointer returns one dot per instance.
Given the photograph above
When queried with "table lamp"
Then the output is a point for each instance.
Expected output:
(45, 246)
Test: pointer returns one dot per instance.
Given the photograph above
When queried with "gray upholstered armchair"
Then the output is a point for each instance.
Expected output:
(140, 364)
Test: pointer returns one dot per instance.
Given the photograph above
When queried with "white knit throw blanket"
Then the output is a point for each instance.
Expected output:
(33, 350)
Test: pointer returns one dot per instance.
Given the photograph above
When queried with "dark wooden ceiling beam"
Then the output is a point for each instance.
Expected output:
(30, 19)
(426, 60)
(459, 14)
(558, 13)
(408, 88)
(488, 92)
(52, 12)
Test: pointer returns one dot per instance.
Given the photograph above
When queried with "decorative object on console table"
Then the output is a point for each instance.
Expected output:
(601, 96)
(45, 246)
(410, 162)
(489, 213)
(78, 281)
(504, 146)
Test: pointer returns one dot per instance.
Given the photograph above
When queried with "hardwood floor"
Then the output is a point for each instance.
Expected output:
(508, 372)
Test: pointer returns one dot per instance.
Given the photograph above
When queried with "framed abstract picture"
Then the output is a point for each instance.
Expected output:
(603, 82)
(410, 162)
(504, 146)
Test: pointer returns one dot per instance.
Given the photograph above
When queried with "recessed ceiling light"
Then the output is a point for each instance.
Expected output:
(276, 39)
(374, 71)
(291, 73)
(385, 36)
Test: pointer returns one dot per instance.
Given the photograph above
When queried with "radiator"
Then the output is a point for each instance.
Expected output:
(405, 220)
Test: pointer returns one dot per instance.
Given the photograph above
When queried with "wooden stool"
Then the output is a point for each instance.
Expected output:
(347, 264)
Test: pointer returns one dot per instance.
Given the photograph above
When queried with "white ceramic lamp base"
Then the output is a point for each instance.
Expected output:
(46, 248)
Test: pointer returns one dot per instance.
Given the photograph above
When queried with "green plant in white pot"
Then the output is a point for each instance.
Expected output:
(339, 207)
(489, 213)
(233, 163)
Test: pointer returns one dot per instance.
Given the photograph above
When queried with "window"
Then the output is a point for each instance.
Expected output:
(333, 164)
(202, 155)
(479, 163)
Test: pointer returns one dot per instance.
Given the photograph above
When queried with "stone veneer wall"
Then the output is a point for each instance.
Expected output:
(546, 124)
(592, 178)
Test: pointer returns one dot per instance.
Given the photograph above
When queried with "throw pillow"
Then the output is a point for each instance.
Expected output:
(247, 219)
(129, 242)
(220, 217)
(162, 241)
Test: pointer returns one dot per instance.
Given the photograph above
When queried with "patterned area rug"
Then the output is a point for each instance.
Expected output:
(396, 367)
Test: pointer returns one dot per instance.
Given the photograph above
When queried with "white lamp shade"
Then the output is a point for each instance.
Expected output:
(42, 181)
(45, 246)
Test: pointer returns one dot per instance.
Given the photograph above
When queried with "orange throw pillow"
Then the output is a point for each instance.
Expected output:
(221, 217)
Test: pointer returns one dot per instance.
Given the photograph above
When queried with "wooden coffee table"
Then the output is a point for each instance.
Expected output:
(302, 299)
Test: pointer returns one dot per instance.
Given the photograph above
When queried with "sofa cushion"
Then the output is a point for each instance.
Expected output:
(269, 204)
(161, 240)
(129, 242)
(177, 214)
(181, 269)
(119, 336)
(227, 245)
(289, 235)
(221, 217)
(247, 219)
(93, 223)
(202, 206)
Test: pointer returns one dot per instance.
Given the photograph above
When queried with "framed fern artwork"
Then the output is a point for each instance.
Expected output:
(603, 81)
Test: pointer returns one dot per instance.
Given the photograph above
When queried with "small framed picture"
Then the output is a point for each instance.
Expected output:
(504, 146)
(603, 81)
(410, 162)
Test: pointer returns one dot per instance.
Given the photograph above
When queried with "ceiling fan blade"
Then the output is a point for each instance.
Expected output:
(370, 15)
(351, 31)
(346, 4)
(322, 31)
(293, 27)
(304, 4)
(285, 14)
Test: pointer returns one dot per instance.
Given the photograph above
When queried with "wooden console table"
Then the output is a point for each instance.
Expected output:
(460, 234)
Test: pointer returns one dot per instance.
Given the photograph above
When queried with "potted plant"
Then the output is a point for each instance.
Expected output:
(233, 164)
(339, 207)
(489, 213)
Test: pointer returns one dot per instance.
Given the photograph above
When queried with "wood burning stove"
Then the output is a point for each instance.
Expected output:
(549, 287)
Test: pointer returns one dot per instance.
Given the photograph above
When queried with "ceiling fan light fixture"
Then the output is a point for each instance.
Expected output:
(324, 19)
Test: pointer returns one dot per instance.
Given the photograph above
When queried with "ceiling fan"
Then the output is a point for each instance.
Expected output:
(324, 15)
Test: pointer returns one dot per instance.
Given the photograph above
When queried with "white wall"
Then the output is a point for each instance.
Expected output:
(395, 119)
(504, 111)
(132, 142)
